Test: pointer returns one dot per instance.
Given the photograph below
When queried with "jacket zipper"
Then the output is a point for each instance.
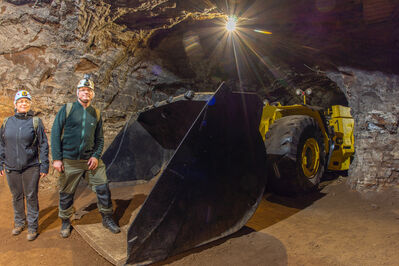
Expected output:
(83, 133)
(18, 136)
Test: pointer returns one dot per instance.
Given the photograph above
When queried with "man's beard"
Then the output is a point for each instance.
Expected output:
(84, 100)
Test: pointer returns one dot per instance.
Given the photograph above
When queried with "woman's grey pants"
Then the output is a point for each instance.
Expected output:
(25, 184)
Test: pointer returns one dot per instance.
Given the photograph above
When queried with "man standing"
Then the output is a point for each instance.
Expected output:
(77, 142)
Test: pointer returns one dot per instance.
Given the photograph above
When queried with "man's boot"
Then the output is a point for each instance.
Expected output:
(65, 228)
(110, 224)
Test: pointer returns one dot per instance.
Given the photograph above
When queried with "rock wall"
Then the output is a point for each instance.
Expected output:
(47, 46)
(373, 97)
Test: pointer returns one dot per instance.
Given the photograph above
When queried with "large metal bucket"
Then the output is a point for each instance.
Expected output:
(212, 159)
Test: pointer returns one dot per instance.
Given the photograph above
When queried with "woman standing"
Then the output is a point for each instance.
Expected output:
(24, 159)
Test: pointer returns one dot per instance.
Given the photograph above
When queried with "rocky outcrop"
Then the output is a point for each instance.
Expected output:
(373, 97)
(47, 46)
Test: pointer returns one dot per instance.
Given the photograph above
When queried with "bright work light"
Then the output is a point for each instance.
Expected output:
(231, 24)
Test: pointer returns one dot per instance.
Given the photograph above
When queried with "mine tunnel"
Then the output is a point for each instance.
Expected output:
(236, 132)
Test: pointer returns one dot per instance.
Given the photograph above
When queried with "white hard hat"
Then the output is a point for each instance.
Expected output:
(86, 82)
(22, 94)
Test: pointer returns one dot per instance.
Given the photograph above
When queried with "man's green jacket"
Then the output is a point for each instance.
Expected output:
(78, 136)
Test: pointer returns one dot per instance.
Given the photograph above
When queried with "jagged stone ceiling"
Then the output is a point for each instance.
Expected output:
(306, 37)
(275, 40)
(328, 33)
(360, 33)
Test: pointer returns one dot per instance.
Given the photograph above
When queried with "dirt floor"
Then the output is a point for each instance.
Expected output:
(335, 226)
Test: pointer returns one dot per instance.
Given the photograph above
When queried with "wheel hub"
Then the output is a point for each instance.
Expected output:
(310, 157)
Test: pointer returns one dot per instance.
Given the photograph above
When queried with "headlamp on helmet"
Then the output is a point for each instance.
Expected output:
(86, 82)
(22, 94)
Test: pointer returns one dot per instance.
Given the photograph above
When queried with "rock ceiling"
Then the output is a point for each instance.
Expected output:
(306, 37)
(275, 39)
(360, 33)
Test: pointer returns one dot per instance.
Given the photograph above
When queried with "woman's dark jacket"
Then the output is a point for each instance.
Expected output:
(17, 150)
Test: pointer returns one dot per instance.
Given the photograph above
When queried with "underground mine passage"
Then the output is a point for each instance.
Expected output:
(189, 144)
(208, 108)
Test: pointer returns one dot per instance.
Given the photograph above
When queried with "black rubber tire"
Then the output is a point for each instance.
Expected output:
(284, 143)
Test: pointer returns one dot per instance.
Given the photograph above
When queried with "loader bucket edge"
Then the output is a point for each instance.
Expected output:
(147, 143)
(210, 187)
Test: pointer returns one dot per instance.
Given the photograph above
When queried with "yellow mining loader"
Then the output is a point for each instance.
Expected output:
(213, 155)
(302, 142)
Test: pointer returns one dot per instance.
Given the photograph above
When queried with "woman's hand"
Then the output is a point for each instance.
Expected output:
(1, 172)
(42, 175)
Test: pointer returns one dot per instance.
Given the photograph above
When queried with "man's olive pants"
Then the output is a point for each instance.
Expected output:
(74, 170)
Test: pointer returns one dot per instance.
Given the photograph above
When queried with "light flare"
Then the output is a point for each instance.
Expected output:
(264, 32)
(231, 24)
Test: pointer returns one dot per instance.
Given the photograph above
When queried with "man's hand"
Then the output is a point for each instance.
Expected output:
(42, 175)
(93, 163)
(58, 165)
(1, 172)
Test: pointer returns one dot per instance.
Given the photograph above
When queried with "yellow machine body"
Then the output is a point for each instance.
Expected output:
(344, 148)
(337, 118)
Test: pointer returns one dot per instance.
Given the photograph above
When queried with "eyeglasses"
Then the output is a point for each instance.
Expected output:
(23, 101)
(85, 90)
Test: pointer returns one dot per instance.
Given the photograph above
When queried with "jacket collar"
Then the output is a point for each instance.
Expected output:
(27, 115)
(82, 105)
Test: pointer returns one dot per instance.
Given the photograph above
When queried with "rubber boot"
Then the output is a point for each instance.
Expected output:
(65, 228)
(109, 223)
